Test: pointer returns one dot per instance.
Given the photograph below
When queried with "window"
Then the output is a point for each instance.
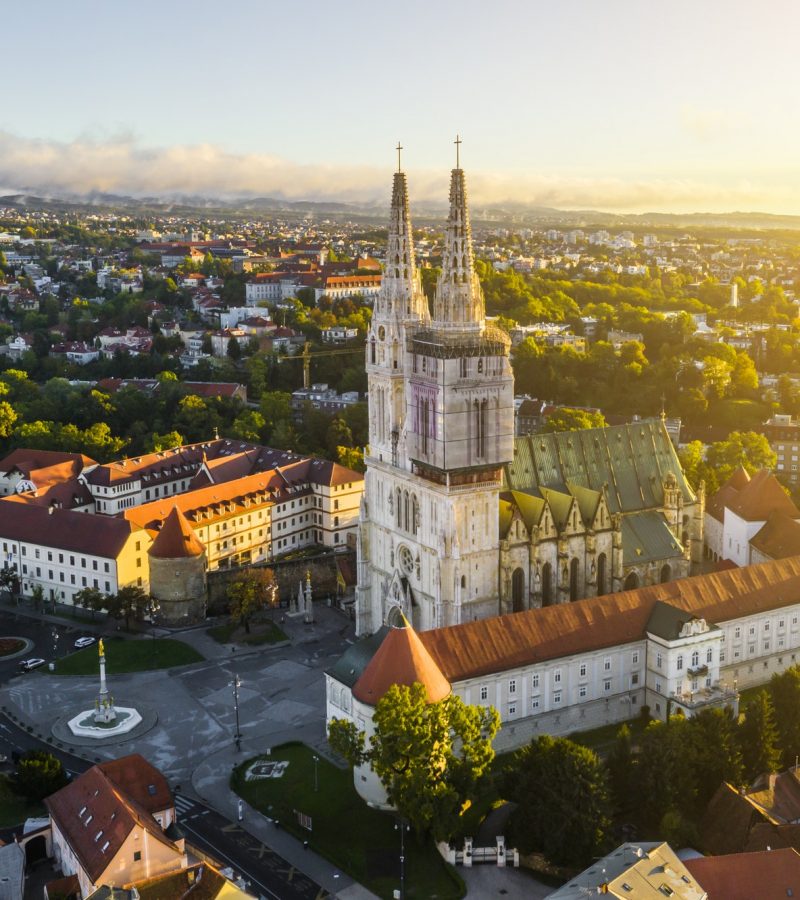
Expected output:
(709, 655)
(535, 680)
(607, 664)
(582, 690)
(680, 663)
(512, 686)
(722, 655)
(137, 855)
(752, 629)
(695, 659)
(635, 658)
(534, 702)
(766, 626)
(658, 689)
(751, 649)
(556, 697)
(737, 632)
(634, 679)
(484, 692)
(658, 660)
(512, 709)
(583, 670)
(766, 646)
(607, 685)
(557, 676)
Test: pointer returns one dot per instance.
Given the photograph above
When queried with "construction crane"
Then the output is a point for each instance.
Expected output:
(307, 356)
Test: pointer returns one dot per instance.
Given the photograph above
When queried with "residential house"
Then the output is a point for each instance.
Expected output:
(111, 825)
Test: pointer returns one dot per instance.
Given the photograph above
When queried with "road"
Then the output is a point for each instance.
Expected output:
(223, 840)
(228, 842)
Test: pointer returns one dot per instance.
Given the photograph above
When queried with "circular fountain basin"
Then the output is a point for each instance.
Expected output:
(84, 725)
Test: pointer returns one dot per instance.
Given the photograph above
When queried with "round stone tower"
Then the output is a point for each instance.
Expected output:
(178, 571)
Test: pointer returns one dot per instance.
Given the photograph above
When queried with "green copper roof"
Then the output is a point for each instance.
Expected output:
(560, 504)
(348, 668)
(588, 501)
(666, 621)
(646, 536)
(626, 462)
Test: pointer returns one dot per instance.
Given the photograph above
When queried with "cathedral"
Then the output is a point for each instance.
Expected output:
(460, 520)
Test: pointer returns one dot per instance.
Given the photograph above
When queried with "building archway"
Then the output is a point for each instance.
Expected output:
(547, 584)
(394, 618)
(631, 582)
(35, 849)
(573, 579)
(666, 573)
(601, 575)
(518, 590)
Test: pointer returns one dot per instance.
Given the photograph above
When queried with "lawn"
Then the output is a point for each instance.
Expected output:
(357, 839)
(124, 656)
(14, 809)
(602, 739)
(266, 632)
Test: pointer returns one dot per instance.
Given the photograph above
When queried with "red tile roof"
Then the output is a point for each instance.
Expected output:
(779, 537)
(401, 659)
(519, 639)
(769, 875)
(96, 815)
(176, 538)
(762, 495)
(140, 780)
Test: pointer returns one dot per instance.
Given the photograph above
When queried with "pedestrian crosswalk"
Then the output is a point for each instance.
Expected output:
(183, 806)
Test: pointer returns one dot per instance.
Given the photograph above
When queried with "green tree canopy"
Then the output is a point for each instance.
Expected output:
(39, 774)
(430, 757)
(758, 737)
(251, 590)
(561, 789)
(568, 419)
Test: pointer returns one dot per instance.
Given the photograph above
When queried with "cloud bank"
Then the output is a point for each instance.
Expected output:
(123, 166)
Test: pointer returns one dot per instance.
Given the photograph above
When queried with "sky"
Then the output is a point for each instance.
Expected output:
(616, 105)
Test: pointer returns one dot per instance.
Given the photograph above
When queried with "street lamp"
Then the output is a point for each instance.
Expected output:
(316, 777)
(236, 684)
(402, 827)
(153, 608)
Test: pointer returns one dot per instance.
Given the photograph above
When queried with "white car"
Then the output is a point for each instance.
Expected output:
(84, 642)
(27, 664)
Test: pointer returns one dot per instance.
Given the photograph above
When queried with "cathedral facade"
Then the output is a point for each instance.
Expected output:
(460, 521)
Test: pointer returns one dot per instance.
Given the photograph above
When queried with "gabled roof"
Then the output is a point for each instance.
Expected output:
(779, 537)
(517, 639)
(666, 621)
(96, 816)
(140, 780)
(176, 538)
(628, 463)
(769, 875)
(761, 496)
(646, 536)
(401, 659)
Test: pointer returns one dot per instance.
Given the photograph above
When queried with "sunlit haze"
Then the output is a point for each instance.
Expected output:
(621, 106)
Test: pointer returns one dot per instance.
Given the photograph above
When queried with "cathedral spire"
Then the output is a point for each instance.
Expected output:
(459, 299)
(402, 291)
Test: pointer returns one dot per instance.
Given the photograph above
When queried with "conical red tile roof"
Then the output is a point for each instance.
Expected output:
(176, 538)
(401, 659)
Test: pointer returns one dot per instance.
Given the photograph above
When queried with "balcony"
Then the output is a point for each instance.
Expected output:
(717, 696)
(697, 671)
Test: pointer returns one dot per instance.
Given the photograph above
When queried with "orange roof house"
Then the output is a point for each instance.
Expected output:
(176, 538)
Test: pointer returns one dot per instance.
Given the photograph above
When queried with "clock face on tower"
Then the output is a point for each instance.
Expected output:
(406, 559)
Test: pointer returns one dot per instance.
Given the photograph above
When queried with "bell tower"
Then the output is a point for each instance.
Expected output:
(431, 542)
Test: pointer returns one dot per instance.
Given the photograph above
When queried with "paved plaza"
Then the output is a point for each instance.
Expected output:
(281, 698)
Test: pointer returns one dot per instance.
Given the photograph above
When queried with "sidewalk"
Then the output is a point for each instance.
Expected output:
(210, 784)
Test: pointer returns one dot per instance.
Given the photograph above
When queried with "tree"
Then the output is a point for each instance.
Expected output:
(129, 602)
(39, 774)
(569, 419)
(785, 691)
(251, 590)
(429, 757)
(234, 349)
(620, 764)
(758, 737)
(248, 426)
(562, 793)
(90, 598)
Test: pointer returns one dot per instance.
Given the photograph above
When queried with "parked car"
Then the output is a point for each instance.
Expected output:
(84, 642)
(27, 664)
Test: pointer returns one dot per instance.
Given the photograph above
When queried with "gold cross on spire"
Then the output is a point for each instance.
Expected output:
(399, 147)
(458, 142)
